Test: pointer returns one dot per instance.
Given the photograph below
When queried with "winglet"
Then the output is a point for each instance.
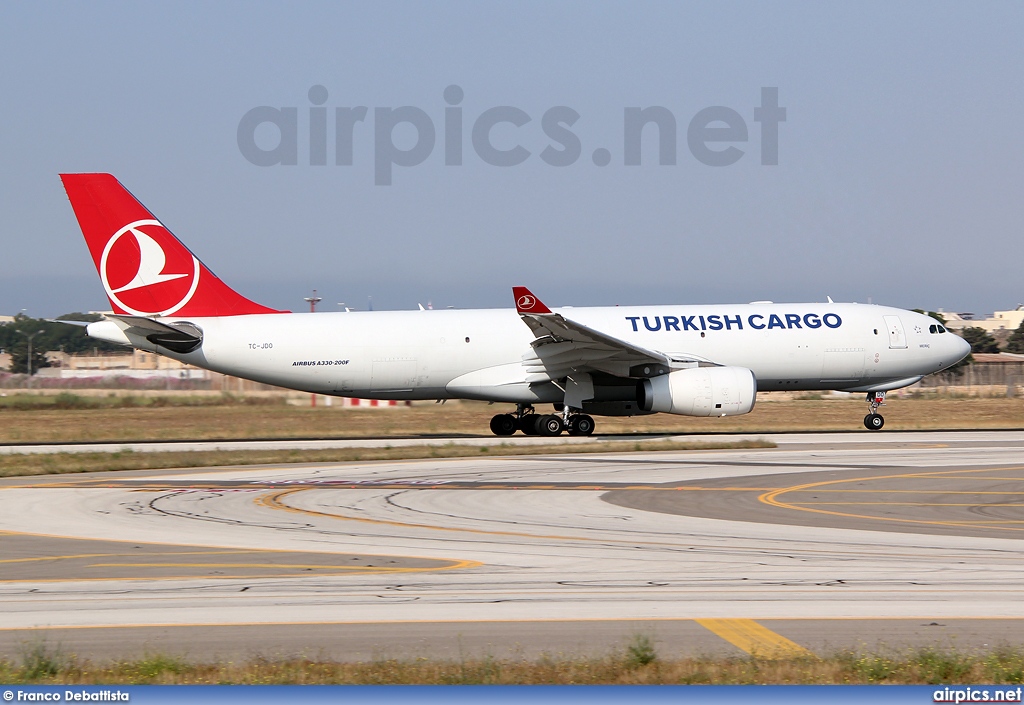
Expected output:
(526, 302)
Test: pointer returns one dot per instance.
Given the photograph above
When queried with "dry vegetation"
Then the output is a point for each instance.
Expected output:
(67, 417)
(71, 418)
(637, 663)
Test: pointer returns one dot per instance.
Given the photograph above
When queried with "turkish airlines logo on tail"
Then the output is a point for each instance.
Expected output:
(526, 302)
(146, 271)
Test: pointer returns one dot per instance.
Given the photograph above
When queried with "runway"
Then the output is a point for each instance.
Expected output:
(828, 541)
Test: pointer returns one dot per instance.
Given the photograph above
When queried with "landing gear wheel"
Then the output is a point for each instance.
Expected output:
(503, 425)
(550, 425)
(874, 422)
(581, 425)
(528, 425)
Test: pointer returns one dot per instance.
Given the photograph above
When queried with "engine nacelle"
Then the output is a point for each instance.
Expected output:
(700, 391)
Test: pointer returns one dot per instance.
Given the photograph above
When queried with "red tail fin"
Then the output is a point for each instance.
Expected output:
(145, 270)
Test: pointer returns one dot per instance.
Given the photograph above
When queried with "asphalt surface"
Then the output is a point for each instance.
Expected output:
(858, 438)
(828, 541)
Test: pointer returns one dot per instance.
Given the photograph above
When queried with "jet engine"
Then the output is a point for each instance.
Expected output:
(700, 391)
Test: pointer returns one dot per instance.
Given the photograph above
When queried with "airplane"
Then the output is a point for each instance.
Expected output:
(691, 360)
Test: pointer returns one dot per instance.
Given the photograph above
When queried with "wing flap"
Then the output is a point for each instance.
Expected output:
(583, 337)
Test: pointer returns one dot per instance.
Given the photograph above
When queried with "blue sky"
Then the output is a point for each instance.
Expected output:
(900, 160)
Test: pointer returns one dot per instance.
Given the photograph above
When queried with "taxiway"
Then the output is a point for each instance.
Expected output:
(829, 540)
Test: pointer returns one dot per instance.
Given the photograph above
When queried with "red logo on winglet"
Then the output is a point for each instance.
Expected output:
(526, 302)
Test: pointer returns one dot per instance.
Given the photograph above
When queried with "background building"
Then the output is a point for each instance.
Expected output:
(1000, 320)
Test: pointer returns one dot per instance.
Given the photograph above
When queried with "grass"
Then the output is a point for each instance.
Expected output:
(640, 651)
(69, 418)
(638, 663)
(65, 401)
(39, 662)
(15, 465)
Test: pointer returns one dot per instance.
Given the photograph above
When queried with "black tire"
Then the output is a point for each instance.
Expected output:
(503, 425)
(874, 422)
(550, 425)
(528, 425)
(581, 425)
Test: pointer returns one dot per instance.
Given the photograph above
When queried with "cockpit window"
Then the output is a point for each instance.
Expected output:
(933, 329)
(941, 329)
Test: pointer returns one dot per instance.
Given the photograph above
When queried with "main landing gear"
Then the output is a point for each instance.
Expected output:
(531, 423)
(874, 420)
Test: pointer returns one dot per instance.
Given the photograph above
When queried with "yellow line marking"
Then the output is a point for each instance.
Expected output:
(906, 504)
(229, 549)
(970, 522)
(754, 638)
(36, 559)
(274, 501)
(453, 564)
(256, 486)
(771, 498)
(200, 548)
(457, 565)
(126, 555)
(265, 566)
(455, 486)
(978, 477)
(795, 490)
(693, 488)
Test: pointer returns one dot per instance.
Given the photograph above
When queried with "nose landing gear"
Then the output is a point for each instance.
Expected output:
(874, 421)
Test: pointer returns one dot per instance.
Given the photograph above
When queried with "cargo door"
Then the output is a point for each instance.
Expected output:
(842, 364)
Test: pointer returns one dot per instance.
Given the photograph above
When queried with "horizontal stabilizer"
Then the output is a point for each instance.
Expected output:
(178, 337)
(80, 324)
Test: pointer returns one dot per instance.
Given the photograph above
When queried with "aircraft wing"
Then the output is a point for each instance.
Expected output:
(563, 346)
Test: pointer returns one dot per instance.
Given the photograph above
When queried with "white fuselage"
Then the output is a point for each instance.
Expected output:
(478, 354)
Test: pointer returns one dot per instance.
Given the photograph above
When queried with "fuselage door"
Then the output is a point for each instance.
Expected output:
(897, 337)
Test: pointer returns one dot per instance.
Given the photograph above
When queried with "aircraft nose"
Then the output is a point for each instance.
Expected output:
(963, 348)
